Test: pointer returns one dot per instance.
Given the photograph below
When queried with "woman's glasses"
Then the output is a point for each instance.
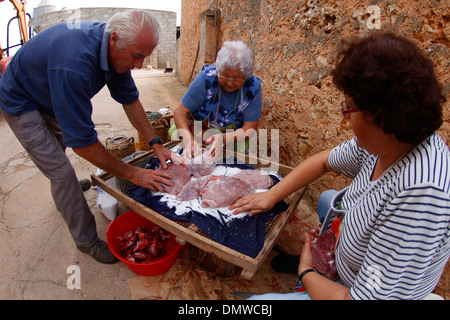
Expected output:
(346, 110)
(235, 80)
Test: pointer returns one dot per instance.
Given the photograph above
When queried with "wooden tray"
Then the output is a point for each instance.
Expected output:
(190, 233)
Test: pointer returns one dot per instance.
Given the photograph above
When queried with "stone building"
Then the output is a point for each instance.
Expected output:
(295, 45)
(45, 15)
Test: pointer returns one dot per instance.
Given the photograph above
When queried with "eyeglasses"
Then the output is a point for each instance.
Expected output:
(346, 110)
(236, 80)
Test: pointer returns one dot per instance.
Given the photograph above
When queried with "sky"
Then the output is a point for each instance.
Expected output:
(7, 11)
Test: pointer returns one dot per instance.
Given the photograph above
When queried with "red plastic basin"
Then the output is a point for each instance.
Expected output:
(130, 221)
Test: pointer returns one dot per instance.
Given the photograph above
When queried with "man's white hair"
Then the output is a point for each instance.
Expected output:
(130, 23)
(236, 55)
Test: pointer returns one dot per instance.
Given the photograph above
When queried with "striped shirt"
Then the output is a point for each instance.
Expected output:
(394, 240)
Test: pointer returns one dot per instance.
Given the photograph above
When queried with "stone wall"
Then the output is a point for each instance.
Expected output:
(165, 51)
(295, 45)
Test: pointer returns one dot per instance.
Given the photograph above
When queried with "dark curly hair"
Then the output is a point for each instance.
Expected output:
(389, 78)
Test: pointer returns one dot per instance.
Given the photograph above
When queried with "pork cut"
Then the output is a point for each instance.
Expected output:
(322, 249)
(191, 190)
(180, 176)
(201, 165)
(223, 191)
(257, 178)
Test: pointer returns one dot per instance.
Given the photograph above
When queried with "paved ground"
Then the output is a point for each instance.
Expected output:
(37, 253)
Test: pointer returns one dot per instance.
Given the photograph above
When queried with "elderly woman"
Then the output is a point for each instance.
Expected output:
(225, 96)
(394, 237)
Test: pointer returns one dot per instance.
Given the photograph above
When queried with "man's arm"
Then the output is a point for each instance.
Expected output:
(136, 114)
(99, 156)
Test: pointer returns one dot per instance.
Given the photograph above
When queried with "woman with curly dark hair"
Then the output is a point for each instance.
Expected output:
(393, 241)
(396, 87)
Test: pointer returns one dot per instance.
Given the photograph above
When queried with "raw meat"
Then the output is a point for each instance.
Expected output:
(257, 178)
(191, 190)
(223, 191)
(201, 165)
(180, 176)
(142, 246)
(322, 249)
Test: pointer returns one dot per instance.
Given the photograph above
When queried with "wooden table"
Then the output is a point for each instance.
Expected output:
(190, 233)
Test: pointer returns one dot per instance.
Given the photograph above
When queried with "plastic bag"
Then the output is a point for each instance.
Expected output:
(106, 202)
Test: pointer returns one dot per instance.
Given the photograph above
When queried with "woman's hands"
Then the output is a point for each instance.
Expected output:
(256, 203)
(216, 144)
(306, 257)
(191, 149)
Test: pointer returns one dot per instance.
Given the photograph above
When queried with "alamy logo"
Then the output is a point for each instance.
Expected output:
(74, 280)
(374, 20)
(374, 280)
(74, 19)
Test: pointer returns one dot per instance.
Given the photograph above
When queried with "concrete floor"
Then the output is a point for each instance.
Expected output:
(37, 254)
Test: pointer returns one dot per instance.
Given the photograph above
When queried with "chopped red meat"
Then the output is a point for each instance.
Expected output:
(142, 246)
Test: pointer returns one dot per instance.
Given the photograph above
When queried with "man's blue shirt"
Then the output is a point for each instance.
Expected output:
(58, 72)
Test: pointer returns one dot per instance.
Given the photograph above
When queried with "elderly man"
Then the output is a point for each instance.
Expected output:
(45, 96)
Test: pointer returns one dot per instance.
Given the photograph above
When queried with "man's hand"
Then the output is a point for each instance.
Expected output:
(151, 179)
(138, 119)
(100, 157)
(165, 154)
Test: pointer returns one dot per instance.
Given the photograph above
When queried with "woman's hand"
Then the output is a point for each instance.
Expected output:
(255, 203)
(306, 257)
(216, 142)
(191, 150)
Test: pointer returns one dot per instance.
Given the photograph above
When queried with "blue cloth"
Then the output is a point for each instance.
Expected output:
(57, 72)
(245, 235)
(202, 98)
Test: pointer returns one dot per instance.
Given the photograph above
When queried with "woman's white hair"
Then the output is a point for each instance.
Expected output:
(236, 55)
(130, 23)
